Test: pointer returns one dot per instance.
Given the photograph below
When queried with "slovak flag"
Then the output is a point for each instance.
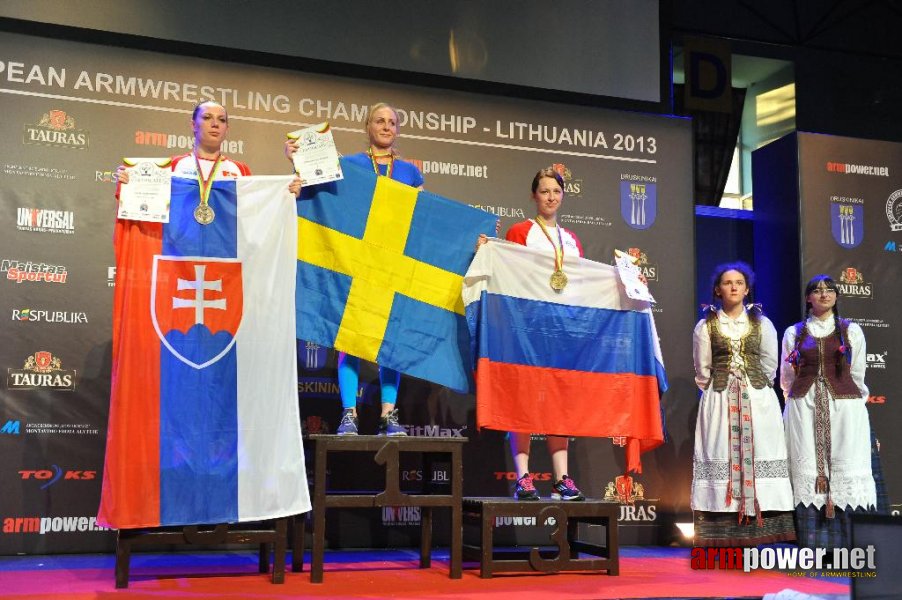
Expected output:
(204, 425)
(584, 361)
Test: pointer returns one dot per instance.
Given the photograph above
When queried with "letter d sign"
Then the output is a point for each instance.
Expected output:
(708, 75)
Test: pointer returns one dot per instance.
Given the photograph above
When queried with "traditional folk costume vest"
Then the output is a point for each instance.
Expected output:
(739, 358)
(821, 362)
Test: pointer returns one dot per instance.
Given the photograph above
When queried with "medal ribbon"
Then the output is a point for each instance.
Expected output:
(558, 250)
(391, 163)
(206, 185)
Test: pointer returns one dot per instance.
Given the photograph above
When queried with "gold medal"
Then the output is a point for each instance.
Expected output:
(203, 214)
(558, 280)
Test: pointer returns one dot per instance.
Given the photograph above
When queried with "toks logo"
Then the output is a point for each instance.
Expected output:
(852, 284)
(54, 474)
(56, 128)
(42, 370)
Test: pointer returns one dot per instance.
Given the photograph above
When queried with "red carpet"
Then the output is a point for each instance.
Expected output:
(645, 573)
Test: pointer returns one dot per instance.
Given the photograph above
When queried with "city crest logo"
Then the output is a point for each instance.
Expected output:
(847, 221)
(41, 370)
(56, 128)
(638, 203)
(852, 284)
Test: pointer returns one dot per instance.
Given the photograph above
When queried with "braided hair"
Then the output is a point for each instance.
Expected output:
(755, 311)
(840, 324)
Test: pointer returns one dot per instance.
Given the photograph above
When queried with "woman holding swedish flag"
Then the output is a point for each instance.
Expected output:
(383, 158)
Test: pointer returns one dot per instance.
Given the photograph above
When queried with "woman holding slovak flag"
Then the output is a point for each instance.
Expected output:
(741, 494)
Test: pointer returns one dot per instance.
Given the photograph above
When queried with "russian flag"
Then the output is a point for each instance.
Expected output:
(582, 362)
(204, 424)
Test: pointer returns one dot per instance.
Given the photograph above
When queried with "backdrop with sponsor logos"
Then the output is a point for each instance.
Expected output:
(71, 111)
(834, 205)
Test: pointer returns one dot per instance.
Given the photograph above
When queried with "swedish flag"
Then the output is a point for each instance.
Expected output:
(380, 273)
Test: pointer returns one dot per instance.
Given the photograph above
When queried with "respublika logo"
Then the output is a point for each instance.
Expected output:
(847, 220)
(19, 271)
(638, 200)
(56, 128)
(842, 562)
(501, 211)
(852, 284)
(48, 477)
(45, 221)
(42, 370)
(34, 315)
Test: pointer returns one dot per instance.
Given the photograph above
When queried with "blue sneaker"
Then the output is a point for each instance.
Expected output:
(525, 489)
(348, 425)
(388, 425)
(566, 490)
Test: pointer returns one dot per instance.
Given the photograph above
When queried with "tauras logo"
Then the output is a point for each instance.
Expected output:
(42, 370)
(20, 271)
(45, 220)
(48, 316)
(852, 283)
(435, 431)
(56, 128)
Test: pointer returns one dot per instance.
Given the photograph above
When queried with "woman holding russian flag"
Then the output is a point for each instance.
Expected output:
(383, 158)
(741, 494)
(544, 232)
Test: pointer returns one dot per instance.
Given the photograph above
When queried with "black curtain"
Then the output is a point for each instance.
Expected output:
(715, 135)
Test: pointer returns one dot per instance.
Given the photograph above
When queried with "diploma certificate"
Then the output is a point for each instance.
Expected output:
(146, 195)
(316, 160)
(629, 275)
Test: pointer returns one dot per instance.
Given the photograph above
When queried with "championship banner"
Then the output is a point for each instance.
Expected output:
(203, 424)
(584, 361)
(380, 270)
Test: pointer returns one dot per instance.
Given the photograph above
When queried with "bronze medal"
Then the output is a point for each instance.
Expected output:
(203, 214)
(558, 280)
